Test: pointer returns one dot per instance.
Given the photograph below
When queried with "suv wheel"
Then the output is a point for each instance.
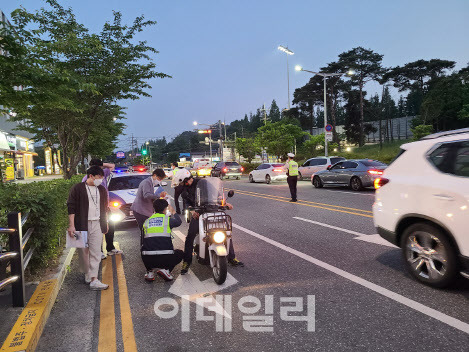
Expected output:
(429, 255)
(356, 184)
(317, 183)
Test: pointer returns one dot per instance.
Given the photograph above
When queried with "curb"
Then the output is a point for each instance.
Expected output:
(28, 328)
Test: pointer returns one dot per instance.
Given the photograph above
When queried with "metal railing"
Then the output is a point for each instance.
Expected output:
(18, 262)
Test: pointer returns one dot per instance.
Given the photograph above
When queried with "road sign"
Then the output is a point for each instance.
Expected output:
(329, 136)
(328, 128)
(120, 155)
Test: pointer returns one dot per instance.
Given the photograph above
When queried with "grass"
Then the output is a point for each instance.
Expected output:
(373, 151)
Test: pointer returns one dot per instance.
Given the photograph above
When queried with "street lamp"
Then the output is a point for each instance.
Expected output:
(287, 52)
(325, 76)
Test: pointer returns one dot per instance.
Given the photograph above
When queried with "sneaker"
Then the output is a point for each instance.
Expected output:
(293, 200)
(87, 279)
(185, 268)
(235, 262)
(97, 285)
(114, 251)
(165, 274)
(103, 256)
(150, 276)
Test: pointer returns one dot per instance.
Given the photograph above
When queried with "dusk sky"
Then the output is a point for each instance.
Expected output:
(223, 54)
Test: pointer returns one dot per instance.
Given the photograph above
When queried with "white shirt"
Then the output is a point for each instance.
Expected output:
(93, 199)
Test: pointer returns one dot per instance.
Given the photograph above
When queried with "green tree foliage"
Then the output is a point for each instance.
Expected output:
(248, 148)
(279, 138)
(274, 112)
(421, 131)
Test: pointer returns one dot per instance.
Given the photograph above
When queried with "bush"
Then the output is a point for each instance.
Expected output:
(421, 131)
(46, 202)
(248, 167)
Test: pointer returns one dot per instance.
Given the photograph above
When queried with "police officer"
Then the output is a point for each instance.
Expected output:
(158, 253)
(177, 187)
(292, 175)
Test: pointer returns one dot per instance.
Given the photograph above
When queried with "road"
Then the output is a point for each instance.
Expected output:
(322, 251)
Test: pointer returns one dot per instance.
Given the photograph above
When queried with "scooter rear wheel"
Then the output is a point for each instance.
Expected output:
(220, 269)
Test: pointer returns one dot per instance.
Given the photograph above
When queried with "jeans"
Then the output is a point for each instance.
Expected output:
(163, 261)
(292, 181)
(189, 244)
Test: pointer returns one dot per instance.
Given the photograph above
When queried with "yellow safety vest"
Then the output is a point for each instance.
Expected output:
(157, 236)
(292, 168)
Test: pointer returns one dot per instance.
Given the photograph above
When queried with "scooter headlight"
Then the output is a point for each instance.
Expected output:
(219, 237)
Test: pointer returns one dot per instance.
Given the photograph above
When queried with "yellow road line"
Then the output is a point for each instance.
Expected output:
(128, 335)
(308, 205)
(307, 201)
(107, 316)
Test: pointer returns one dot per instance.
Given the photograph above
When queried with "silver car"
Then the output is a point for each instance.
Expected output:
(313, 165)
(356, 174)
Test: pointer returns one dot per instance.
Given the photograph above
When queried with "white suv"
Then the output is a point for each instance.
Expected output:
(422, 206)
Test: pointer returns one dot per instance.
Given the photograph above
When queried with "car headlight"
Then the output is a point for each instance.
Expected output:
(219, 237)
(115, 217)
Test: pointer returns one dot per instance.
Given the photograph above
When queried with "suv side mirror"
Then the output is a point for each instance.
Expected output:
(230, 193)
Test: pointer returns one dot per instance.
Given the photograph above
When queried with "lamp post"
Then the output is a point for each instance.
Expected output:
(149, 148)
(287, 52)
(325, 76)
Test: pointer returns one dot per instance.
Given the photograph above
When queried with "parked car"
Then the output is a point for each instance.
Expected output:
(122, 192)
(138, 168)
(422, 205)
(201, 168)
(356, 174)
(313, 165)
(227, 169)
(268, 172)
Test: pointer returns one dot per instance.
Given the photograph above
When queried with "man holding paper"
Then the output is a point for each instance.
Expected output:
(87, 212)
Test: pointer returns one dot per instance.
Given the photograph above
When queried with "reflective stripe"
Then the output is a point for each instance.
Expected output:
(158, 235)
(157, 252)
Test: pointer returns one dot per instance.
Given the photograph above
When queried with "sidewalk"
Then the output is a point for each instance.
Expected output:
(39, 178)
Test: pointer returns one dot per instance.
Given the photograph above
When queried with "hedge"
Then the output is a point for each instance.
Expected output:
(46, 203)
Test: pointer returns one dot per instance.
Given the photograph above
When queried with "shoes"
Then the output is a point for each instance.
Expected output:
(293, 200)
(165, 274)
(235, 262)
(87, 279)
(185, 268)
(114, 251)
(97, 285)
(150, 276)
(178, 212)
(103, 256)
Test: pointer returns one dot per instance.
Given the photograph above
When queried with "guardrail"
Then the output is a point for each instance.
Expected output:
(18, 262)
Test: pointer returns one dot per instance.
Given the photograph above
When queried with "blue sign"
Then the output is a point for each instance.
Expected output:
(328, 128)
(184, 155)
(120, 155)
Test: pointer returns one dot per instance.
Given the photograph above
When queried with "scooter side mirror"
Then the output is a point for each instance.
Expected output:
(230, 193)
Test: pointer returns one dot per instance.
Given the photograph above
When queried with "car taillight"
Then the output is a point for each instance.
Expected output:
(375, 172)
(225, 169)
(380, 182)
(242, 169)
(115, 205)
(277, 170)
(141, 169)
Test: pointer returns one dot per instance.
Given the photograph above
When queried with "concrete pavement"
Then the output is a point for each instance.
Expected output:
(322, 247)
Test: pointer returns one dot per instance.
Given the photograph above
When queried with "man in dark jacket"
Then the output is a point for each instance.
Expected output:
(158, 253)
(88, 206)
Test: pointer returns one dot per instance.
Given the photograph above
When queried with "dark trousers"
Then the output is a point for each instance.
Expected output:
(163, 261)
(110, 237)
(140, 221)
(292, 181)
(189, 244)
(177, 194)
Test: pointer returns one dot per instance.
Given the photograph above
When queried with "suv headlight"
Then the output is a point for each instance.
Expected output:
(219, 237)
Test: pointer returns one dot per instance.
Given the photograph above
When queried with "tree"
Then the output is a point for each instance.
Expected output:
(366, 65)
(86, 75)
(248, 148)
(274, 112)
(307, 98)
(279, 138)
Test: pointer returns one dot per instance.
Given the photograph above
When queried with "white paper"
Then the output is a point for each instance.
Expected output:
(80, 240)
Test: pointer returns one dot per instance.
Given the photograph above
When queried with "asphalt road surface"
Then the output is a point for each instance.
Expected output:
(320, 256)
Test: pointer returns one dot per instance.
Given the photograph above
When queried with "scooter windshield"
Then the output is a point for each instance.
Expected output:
(210, 192)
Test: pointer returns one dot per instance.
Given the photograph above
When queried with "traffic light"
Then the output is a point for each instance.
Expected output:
(144, 152)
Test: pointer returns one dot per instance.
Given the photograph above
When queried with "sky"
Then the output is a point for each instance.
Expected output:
(223, 57)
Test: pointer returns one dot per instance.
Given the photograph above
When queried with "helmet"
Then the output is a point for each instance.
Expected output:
(181, 176)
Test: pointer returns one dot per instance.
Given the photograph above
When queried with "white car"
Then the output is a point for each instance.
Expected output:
(268, 172)
(313, 165)
(422, 206)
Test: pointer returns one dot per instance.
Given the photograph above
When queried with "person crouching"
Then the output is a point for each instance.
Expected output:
(158, 253)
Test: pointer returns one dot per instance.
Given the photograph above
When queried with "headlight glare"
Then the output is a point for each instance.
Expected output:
(219, 237)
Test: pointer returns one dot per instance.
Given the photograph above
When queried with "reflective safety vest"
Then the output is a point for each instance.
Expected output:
(175, 170)
(292, 168)
(157, 236)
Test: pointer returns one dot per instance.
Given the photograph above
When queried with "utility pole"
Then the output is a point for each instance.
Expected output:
(265, 114)
(221, 140)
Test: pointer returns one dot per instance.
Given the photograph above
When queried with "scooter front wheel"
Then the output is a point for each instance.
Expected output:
(220, 269)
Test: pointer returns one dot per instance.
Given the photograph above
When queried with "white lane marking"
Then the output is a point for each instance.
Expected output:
(180, 235)
(331, 227)
(456, 323)
(376, 239)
